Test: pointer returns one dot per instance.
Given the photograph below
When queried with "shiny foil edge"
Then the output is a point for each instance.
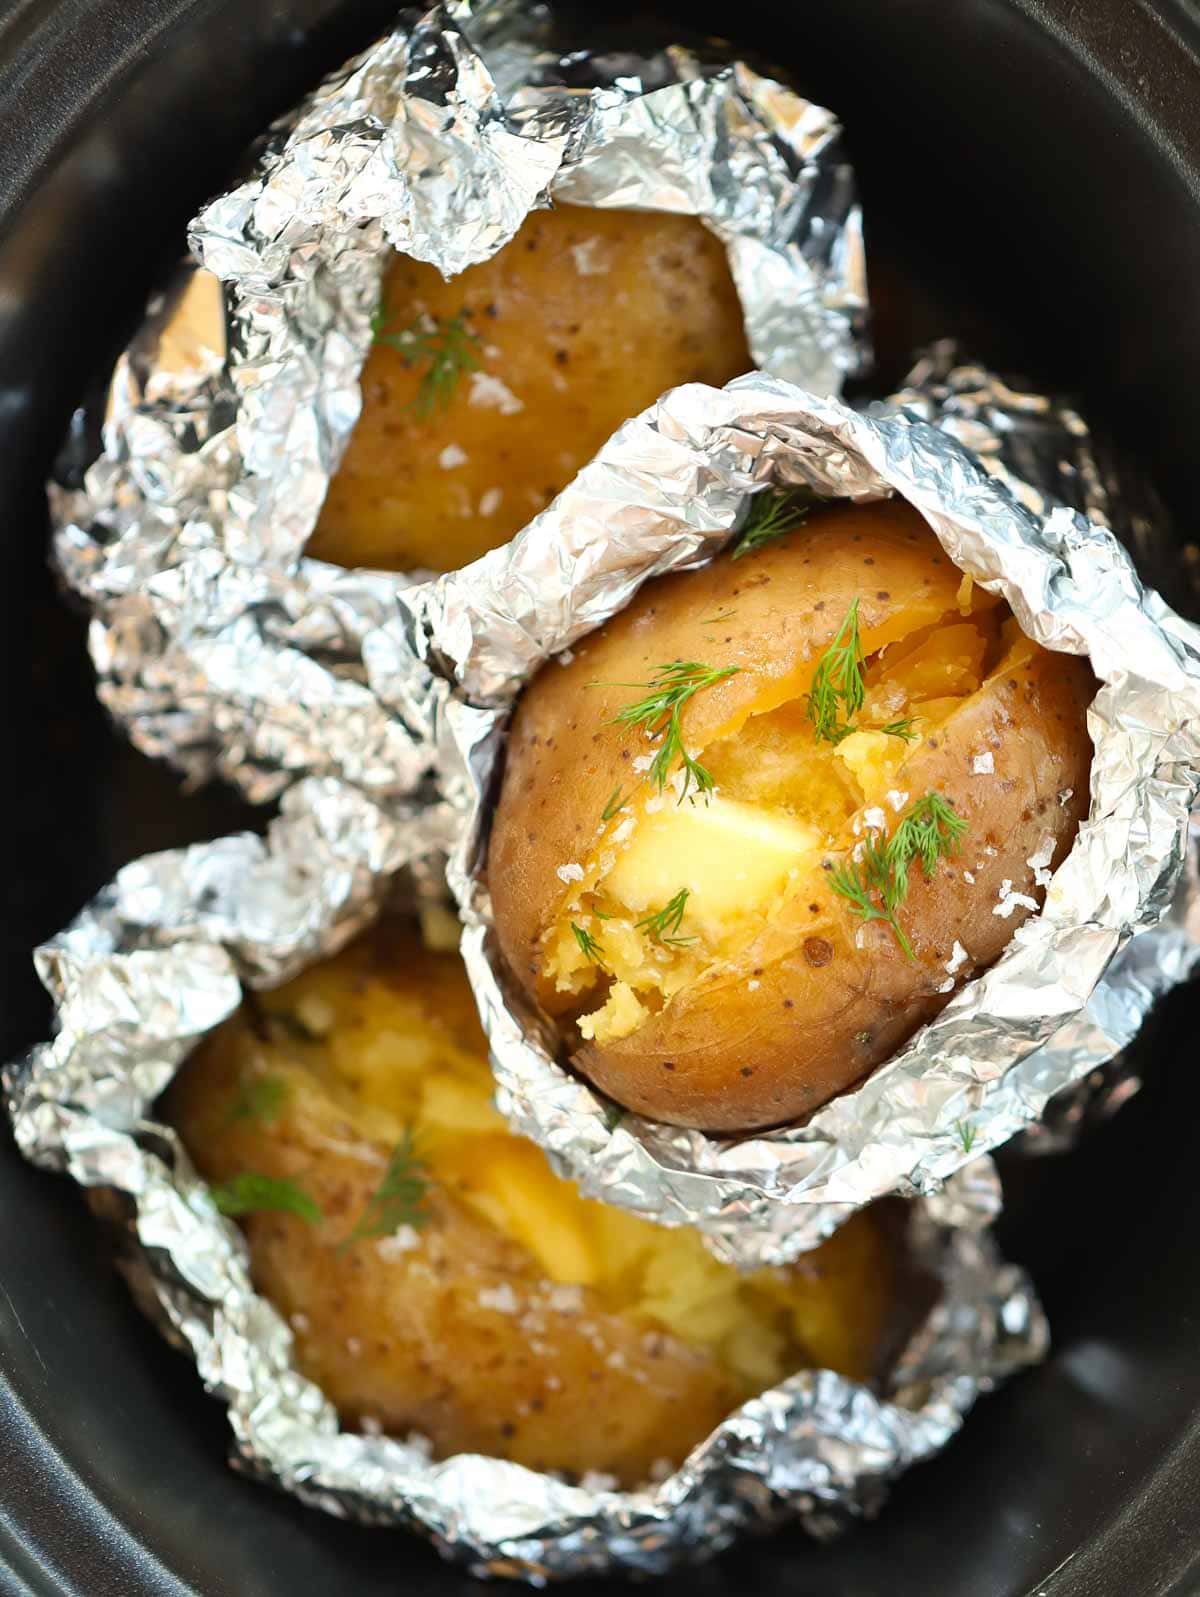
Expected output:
(217, 644)
(159, 959)
(1072, 988)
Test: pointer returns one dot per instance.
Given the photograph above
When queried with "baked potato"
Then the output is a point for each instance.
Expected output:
(440, 1278)
(880, 771)
(483, 396)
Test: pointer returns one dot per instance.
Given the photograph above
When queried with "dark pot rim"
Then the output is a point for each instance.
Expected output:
(57, 1537)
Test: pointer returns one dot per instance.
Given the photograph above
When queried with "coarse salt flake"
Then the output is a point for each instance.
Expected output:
(896, 799)
(403, 1240)
(571, 872)
(490, 502)
(584, 256)
(452, 456)
(1039, 861)
(983, 764)
(1009, 901)
(490, 393)
(502, 1298)
(642, 762)
(958, 957)
(565, 1299)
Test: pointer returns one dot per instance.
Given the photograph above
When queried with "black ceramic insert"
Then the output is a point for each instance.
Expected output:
(1031, 175)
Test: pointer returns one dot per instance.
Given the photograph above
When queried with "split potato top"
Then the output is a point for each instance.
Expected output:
(580, 322)
(730, 959)
(442, 1279)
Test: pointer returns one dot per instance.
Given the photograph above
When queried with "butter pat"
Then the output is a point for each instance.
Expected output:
(731, 857)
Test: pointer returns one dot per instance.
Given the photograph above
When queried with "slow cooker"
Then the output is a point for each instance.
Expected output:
(1031, 180)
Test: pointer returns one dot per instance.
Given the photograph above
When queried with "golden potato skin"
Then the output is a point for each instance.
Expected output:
(586, 316)
(835, 998)
(458, 1334)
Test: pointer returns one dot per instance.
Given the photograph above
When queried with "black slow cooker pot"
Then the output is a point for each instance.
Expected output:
(1031, 173)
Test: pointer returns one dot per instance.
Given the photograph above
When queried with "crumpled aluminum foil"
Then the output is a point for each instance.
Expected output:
(1076, 981)
(217, 645)
(158, 960)
(1046, 454)
(222, 649)
(375, 708)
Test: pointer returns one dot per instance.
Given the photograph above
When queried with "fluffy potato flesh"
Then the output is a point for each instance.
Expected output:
(510, 1316)
(766, 993)
(583, 320)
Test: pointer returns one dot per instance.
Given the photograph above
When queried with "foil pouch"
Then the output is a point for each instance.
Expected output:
(159, 959)
(217, 644)
(375, 704)
(1119, 921)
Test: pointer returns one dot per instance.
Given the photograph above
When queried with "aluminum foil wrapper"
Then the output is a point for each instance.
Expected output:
(1046, 454)
(1076, 981)
(217, 644)
(158, 960)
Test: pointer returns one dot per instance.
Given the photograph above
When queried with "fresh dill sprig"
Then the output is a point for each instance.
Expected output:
(588, 946)
(615, 805)
(664, 923)
(931, 829)
(837, 691)
(871, 889)
(771, 516)
(261, 1098)
(399, 1199)
(658, 714)
(877, 885)
(966, 1134)
(250, 1191)
(446, 348)
(900, 729)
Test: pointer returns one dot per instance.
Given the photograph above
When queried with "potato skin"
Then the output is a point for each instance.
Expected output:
(455, 1331)
(586, 316)
(407, 1339)
(834, 996)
